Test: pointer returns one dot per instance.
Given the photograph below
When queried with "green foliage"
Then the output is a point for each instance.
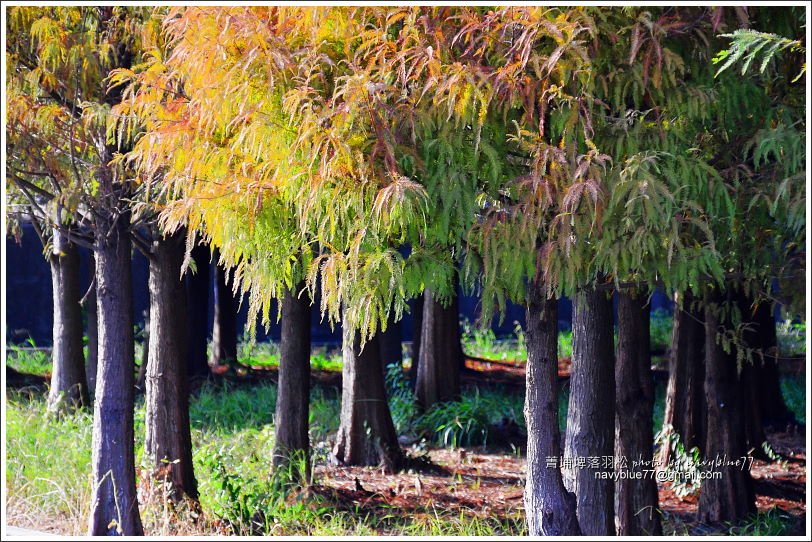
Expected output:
(685, 464)
(747, 45)
(470, 421)
(660, 331)
(401, 398)
(791, 338)
(793, 389)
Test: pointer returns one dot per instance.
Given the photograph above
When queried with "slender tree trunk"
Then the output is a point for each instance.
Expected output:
(685, 396)
(292, 444)
(224, 332)
(550, 508)
(168, 440)
(417, 329)
(438, 373)
(92, 329)
(773, 409)
(68, 380)
(591, 414)
(637, 500)
(367, 434)
(114, 504)
(730, 497)
(198, 288)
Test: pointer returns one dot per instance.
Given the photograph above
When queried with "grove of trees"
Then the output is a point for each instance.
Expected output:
(371, 157)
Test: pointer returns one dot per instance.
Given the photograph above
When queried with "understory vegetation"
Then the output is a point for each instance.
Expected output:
(48, 465)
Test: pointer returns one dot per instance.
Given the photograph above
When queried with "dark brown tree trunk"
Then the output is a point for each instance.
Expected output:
(685, 397)
(550, 508)
(750, 377)
(441, 357)
(114, 504)
(591, 414)
(92, 329)
(774, 410)
(417, 328)
(731, 496)
(292, 445)
(198, 288)
(637, 501)
(367, 434)
(224, 332)
(168, 440)
(68, 379)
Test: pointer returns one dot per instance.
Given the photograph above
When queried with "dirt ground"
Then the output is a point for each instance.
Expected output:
(489, 484)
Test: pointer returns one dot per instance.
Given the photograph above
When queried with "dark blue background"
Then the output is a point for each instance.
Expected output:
(29, 303)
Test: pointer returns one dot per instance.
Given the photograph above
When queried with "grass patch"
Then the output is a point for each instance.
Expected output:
(29, 358)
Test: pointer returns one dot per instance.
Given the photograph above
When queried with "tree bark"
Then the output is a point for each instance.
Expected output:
(92, 330)
(168, 440)
(68, 380)
(114, 504)
(198, 288)
(774, 410)
(224, 332)
(685, 396)
(591, 414)
(550, 508)
(366, 435)
(292, 445)
(750, 377)
(417, 328)
(441, 357)
(730, 497)
(636, 505)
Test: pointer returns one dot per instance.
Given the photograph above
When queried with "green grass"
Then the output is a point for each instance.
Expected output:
(266, 354)
(29, 359)
(773, 522)
(232, 432)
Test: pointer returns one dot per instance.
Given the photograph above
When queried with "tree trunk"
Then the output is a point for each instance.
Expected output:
(198, 288)
(417, 328)
(168, 440)
(224, 332)
(68, 380)
(730, 497)
(438, 373)
(550, 508)
(292, 445)
(685, 397)
(114, 505)
(750, 377)
(773, 409)
(636, 505)
(591, 414)
(92, 330)
(367, 434)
